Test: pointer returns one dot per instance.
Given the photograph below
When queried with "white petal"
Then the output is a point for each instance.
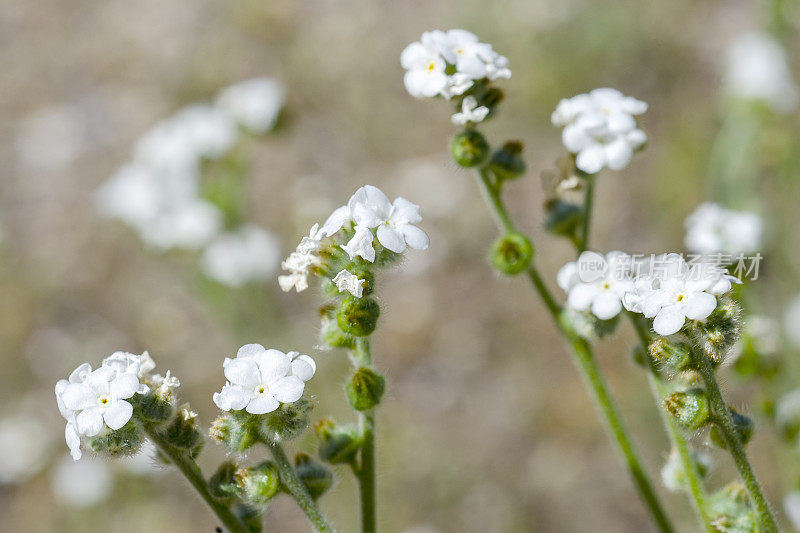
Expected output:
(618, 154)
(699, 305)
(273, 364)
(304, 367)
(567, 276)
(415, 237)
(404, 212)
(242, 372)
(124, 386)
(249, 350)
(89, 422)
(73, 441)
(669, 320)
(118, 414)
(412, 55)
(391, 239)
(581, 296)
(80, 373)
(232, 397)
(591, 159)
(77, 396)
(575, 138)
(288, 389)
(262, 405)
(335, 222)
(606, 305)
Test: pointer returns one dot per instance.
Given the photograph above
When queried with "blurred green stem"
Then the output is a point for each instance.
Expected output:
(296, 487)
(585, 361)
(365, 472)
(188, 467)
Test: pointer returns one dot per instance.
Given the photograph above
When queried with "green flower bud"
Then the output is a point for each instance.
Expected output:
(153, 407)
(744, 429)
(182, 432)
(238, 431)
(288, 420)
(260, 483)
(125, 441)
(731, 511)
(339, 444)
(250, 515)
(222, 484)
(365, 389)
(491, 98)
(562, 218)
(690, 408)
(469, 148)
(316, 478)
(670, 357)
(507, 163)
(720, 331)
(332, 335)
(369, 279)
(358, 316)
(511, 253)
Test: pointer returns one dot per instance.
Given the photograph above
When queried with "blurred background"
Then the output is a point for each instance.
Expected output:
(486, 426)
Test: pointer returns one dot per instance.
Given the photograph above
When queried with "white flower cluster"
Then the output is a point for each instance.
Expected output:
(94, 401)
(259, 380)
(758, 69)
(158, 192)
(600, 128)
(712, 228)
(427, 61)
(369, 209)
(663, 287)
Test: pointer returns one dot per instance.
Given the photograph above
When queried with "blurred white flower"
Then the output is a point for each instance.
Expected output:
(189, 225)
(255, 103)
(673, 475)
(602, 293)
(713, 229)
(791, 506)
(425, 67)
(758, 69)
(259, 380)
(24, 445)
(791, 321)
(787, 411)
(248, 254)
(82, 484)
(470, 112)
(345, 281)
(600, 128)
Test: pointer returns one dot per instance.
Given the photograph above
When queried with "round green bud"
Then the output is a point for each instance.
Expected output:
(365, 389)
(222, 484)
(368, 276)
(670, 357)
(720, 331)
(260, 483)
(690, 408)
(332, 335)
(339, 444)
(316, 478)
(152, 407)
(507, 163)
(288, 420)
(744, 429)
(492, 97)
(358, 316)
(469, 148)
(124, 441)
(511, 253)
(183, 433)
(238, 431)
(562, 218)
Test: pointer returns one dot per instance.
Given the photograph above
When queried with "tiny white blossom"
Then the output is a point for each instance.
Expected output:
(165, 383)
(713, 229)
(259, 380)
(360, 244)
(371, 208)
(255, 103)
(470, 112)
(603, 294)
(300, 262)
(425, 67)
(345, 281)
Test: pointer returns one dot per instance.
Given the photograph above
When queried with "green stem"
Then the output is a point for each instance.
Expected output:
(186, 465)
(296, 488)
(587, 214)
(365, 473)
(586, 363)
(726, 426)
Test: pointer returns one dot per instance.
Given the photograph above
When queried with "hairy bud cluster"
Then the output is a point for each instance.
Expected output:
(316, 478)
(690, 408)
(365, 389)
(339, 444)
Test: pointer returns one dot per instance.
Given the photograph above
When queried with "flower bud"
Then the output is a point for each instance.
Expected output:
(250, 515)
(562, 218)
(222, 484)
(507, 163)
(744, 429)
(153, 407)
(670, 357)
(511, 253)
(491, 98)
(690, 408)
(288, 420)
(365, 389)
(720, 331)
(339, 444)
(316, 478)
(332, 335)
(469, 148)
(182, 432)
(125, 441)
(358, 316)
(730, 509)
(237, 431)
(259, 484)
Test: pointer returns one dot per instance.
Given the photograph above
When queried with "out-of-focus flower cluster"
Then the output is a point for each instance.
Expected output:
(712, 228)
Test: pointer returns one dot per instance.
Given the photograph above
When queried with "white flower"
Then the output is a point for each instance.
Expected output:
(791, 321)
(24, 445)
(470, 112)
(166, 383)
(758, 69)
(600, 128)
(602, 293)
(395, 221)
(255, 103)
(713, 229)
(246, 255)
(345, 281)
(300, 261)
(360, 244)
(673, 291)
(82, 484)
(425, 67)
(791, 506)
(259, 380)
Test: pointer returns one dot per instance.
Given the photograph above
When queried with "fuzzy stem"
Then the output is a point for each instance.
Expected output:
(584, 359)
(188, 467)
(365, 473)
(296, 488)
(722, 418)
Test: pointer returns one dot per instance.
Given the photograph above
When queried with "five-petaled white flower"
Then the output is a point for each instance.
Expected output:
(259, 380)
(602, 291)
(470, 112)
(600, 128)
(345, 281)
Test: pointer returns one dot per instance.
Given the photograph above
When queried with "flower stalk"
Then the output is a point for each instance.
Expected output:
(365, 469)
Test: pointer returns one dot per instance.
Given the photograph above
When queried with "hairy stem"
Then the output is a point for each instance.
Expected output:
(188, 467)
(722, 418)
(365, 473)
(584, 360)
(296, 488)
